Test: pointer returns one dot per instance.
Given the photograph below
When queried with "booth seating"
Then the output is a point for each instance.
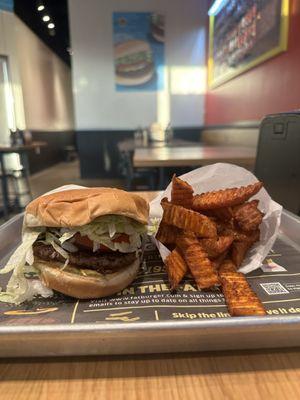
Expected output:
(239, 134)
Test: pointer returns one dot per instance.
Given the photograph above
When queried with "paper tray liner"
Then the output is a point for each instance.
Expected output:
(148, 299)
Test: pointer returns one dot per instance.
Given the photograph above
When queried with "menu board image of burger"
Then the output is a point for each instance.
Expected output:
(138, 51)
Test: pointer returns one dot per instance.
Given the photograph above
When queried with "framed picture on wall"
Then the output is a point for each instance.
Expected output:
(244, 34)
(138, 51)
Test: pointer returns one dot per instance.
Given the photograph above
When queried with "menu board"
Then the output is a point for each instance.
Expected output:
(245, 33)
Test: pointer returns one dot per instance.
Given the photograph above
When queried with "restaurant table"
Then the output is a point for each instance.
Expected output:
(245, 375)
(129, 145)
(22, 150)
(148, 176)
(192, 156)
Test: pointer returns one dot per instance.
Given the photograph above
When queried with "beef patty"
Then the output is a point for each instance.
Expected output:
(101, 262)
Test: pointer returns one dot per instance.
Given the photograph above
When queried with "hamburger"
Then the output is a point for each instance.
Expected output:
(133, 62)
(84, 243)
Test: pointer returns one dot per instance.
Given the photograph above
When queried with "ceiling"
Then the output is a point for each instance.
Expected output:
(58, 12)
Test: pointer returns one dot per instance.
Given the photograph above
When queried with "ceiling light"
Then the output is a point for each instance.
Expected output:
(41, 7)
(46, 18)
(51, 25)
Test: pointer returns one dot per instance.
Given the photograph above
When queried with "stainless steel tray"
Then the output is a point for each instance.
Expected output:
(147, 319)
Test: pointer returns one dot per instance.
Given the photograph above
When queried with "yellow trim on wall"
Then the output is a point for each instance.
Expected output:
(282, 46)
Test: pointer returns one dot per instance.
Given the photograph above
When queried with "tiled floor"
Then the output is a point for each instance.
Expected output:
(63, 174)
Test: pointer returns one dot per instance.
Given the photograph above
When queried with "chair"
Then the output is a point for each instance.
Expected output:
(278, 161)
(137, 178)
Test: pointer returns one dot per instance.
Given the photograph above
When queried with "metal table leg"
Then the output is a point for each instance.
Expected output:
(4, 187)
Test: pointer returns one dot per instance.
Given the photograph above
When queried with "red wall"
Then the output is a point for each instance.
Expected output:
(273, 86)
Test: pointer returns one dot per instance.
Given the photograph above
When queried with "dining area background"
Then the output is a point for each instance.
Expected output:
(136, 135)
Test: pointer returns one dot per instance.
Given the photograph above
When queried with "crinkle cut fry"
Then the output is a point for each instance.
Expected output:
(227, 266)
(216, 246)
(167, 234)
(248, 217)
(200, 266)
(188, 220)
(240, 298)
(217, 262)
(176, 268)
(182, 193)
(239, 251)
(186, 239)
(228, 229)
(225, 198)
(224, 213)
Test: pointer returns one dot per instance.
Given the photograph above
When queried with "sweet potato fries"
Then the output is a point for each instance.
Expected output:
(209, 236)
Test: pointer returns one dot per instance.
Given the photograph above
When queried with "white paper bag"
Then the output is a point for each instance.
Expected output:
(222, 176)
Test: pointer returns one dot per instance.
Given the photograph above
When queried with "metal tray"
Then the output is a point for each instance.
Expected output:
(146, 318)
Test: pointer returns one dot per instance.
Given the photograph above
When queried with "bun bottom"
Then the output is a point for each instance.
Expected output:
(85, 287)
(134, 80)
(158, 37)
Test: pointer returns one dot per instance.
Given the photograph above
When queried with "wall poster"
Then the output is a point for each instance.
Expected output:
(7, 5)
(244, 34)
(138, 51)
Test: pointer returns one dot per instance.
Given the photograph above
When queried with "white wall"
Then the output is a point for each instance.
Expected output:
(46, 83)
(8, 48)
(41, 82)
(98, 105)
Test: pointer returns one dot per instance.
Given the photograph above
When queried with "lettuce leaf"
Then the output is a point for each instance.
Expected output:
(19, 288)
(103, 230)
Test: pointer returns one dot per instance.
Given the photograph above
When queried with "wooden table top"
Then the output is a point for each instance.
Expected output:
(235, 375)
(255, 375)
(21, 148)
(192, 156)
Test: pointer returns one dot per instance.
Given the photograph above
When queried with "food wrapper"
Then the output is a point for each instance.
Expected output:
(221, 176)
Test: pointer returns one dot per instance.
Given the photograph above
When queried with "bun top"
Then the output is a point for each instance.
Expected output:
(131, 47)
(79, 207)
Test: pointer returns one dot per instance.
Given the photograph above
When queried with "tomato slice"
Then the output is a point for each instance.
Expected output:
(85, 242)
(121, 238)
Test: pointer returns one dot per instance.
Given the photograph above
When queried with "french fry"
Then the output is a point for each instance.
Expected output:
(223, 214)
(188, 220)
(227, 266)
(217, 262)
(225, 198)
(186, 239)
(239, 297)
(167, 234)
(216, 246)
(248, 217)
(228, 229)
(176, 268)
(182, 193)
(239, 251)
(199, 264)
(242, 244)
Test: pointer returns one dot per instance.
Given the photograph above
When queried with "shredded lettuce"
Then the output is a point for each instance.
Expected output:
(19, 288)
(52, 240)
(104, 229)
(153, 226)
